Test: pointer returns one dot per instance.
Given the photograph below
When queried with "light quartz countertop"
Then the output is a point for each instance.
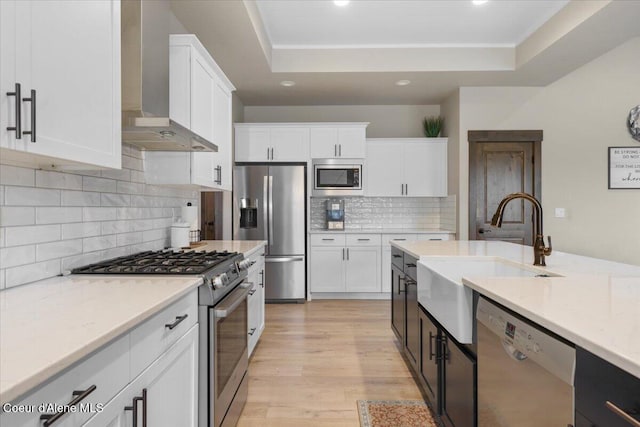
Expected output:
(595, 305)
(47, 326)
(384, 231)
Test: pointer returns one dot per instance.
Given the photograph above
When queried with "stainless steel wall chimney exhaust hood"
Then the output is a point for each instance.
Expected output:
(146, 122)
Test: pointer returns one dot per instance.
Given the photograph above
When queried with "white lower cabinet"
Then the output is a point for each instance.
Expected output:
(255, 300)
(102, 385)
(345, 263)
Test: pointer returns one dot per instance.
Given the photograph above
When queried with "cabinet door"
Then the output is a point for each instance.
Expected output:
(384, 169)
(290, 144)
(323, 142)
(459, 385)
(327, 269)
(362, 272)
(172, 384)
(351, 142)
(397, 302)
(69, 53)
(8, 78)
(203, 170)
(252, 144)
(222, 135)
(425, 169)
(203, 82)
(114, 414)
(429, 358)
(412, 327)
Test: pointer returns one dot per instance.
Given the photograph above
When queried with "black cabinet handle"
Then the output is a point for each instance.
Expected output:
(411, 282)
(328, 240)
(396, 256)
(218, 170)
(177, 322)
(411, 265)
(78, 396)
(431, 353)
(622, 414)
(363, 240)
(18, 110)
(399, 240)
(252, 331)
(262, 278)
(32, 100)
(134, 408)
(252, 291)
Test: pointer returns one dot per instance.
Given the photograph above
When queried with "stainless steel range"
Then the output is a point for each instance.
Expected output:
(222, 315)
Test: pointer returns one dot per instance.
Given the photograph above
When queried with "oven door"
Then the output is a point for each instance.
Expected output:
(230, 360)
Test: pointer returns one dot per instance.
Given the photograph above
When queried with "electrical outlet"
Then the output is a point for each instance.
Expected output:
(560, 213)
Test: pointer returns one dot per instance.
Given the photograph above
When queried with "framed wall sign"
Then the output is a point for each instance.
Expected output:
(624, 167)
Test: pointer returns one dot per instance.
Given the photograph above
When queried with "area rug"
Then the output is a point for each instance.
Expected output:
(395, 413)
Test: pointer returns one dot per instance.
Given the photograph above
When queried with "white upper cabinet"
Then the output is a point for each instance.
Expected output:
(338, 141)
(271, 143)
(65, 57)
(200, 100)
(406, 167)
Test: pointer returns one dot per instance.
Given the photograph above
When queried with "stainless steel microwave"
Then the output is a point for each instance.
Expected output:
(337, 177)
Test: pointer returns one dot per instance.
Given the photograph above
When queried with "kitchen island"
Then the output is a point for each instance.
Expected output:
(49, 326)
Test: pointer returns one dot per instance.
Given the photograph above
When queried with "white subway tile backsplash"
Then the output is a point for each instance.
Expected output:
(99, 243)
(52, 221)
(98, 214)
(17, 215)
(90, 183)
(18, 255)
(129, 238)
(80, 198)
(31, 272)
(58, 215)
(81, 229)
(12, 175)
(26, 196)
(51, 179)
(16, 236)
(110, 199)
(63, 248)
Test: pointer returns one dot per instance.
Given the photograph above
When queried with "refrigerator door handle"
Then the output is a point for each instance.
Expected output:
(265, 203)
(284, 259)
(271, 234)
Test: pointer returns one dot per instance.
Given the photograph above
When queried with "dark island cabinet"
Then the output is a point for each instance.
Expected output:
(458, 385)
(398, 302)
(430, 358)
(605, 395)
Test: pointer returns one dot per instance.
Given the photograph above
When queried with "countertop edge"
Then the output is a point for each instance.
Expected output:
(250, 252)
(23, 388)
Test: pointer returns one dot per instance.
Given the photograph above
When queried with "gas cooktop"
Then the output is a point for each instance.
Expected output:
(160, 262)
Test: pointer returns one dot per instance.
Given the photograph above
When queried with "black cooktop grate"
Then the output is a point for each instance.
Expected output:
(159, 262)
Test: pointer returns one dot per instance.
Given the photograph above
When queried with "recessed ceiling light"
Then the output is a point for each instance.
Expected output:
(403, 82)
(479, 2)
(287, 83)
(341, 3)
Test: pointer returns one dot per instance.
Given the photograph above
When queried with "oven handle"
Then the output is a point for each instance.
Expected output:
(232, 302)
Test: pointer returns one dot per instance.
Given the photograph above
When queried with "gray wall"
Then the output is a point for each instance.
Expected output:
(386, 121)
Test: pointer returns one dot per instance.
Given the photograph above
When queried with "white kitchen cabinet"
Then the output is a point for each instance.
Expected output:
(166, 390)
(66, 58)
(271, 143)
(200, 100)
(256, 299)
(337, 140)
(345, 263)
(409, 167)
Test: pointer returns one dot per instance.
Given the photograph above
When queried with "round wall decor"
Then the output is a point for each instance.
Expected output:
(634, 122)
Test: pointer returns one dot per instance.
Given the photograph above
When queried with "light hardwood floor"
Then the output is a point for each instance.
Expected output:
(315, 360)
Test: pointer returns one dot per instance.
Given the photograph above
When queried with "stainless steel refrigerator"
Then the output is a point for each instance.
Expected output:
(269, 203)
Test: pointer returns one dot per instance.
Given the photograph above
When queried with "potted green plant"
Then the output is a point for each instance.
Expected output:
(433, 126)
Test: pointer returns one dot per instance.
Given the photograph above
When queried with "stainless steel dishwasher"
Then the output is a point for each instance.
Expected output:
(525, 375)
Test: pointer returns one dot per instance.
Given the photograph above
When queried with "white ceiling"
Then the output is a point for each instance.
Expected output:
(354, 55)
(403, 23)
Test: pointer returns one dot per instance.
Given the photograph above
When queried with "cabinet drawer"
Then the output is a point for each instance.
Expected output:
(397, 258)
(328, 240)
(386, 238)
(363, 240)
(598, 382)
(434, 236)
(107, 370)
(154, 336)
(411, 266)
